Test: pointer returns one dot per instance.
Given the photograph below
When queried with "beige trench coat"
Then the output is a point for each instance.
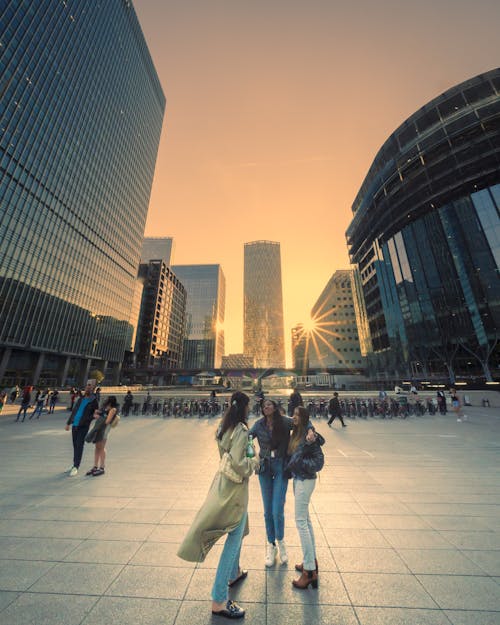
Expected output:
(226, 501)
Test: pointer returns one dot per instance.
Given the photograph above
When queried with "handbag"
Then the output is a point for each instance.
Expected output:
(226, 466)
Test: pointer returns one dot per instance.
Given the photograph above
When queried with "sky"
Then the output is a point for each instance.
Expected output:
(275, 112)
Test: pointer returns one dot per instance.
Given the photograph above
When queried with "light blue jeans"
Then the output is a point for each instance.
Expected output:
(229, 562)
(273, 486)
(303, 489)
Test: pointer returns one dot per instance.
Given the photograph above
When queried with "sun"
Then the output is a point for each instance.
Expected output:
(309, 325)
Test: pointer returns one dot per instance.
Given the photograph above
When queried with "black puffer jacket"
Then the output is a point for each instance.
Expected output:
(307, 459)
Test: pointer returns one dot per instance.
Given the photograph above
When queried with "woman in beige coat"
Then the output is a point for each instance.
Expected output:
(225, 509)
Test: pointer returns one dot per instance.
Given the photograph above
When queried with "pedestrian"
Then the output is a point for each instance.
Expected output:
(294, 401)
(14, 393)
(79, 421)
(335, 410)
(3, 399)
(306, 459)
(25, 402)
(441, 402)
(109, 411)
(54, 398)
(456, 404)
(128, 400)
(225, 510)
(41, 396)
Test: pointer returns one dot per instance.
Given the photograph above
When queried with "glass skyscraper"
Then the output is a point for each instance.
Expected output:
(264, 336)
(81, 110)
(425, 239)
(205, 308)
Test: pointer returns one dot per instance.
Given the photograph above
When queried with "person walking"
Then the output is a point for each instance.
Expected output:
(306, 459)
(441, 402)
(79, 421)
(54, 398)
(128, 400)
(225, 510)
(40, 403)
(109, 411)
(456, 404)
(25, 402)
(335, 410)
(14, 394)
(294, 401)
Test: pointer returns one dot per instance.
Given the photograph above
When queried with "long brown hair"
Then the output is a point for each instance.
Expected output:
(299, 430)
(236, 413)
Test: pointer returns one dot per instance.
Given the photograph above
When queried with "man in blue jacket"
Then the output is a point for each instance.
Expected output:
(79, 420)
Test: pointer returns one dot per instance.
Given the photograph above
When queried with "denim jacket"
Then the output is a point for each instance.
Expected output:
(263, 435)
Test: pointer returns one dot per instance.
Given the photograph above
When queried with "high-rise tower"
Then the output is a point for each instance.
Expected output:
(205, 305)
(264, 336)
(81, 110)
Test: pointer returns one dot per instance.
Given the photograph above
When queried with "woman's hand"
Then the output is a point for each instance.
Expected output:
(311, 436)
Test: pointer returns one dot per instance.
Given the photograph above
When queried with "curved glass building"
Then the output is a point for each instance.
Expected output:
(425, 241)
(81, 111)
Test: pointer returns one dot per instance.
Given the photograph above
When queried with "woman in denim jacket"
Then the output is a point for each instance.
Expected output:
(306, 459)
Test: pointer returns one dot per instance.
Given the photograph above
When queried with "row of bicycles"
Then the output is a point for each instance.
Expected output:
(352, 407)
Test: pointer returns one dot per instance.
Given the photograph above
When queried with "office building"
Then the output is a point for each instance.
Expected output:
(81, 111)
(161, 327)
(333, 337)
(264, 336)
(300, 349)
(238, 361)
(157, 248)
(425, 239)
(205, 306)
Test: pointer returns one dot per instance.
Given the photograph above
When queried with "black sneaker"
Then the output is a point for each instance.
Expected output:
(232, 610)
(98, 472)
(91, 471)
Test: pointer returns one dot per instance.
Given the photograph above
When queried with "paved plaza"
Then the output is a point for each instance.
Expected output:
(406, 513)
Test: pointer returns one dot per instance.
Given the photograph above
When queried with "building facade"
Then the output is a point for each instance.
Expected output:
(81, 111)
(238, 361)
(300, 349)
(263, 327)
(425, 240)
(333, 339)
(161, 326)
(157, 248)
(205, 307)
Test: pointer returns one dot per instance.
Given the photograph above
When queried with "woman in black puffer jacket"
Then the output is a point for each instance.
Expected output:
(306, 459)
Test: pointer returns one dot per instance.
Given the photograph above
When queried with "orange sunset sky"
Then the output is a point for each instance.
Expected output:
(275, 111)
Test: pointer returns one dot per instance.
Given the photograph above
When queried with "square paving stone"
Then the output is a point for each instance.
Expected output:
(355, 538)
(160, 554)
(310, 614)
(280, 589)
(37, 548)
(439, 561)
(488, 561)
(77, 578)
(42, 609)
(104, 552)
(457, 523)
(467, 617)
(123, 531)
(486, 540)
(137, 515)
(398, 522)
(7, 597)
(416, 539)
(132, 611)
(384, 590)
(21, 574)
(252, 589)
(345, 521)
(462, 592)
(168, 533)
(401, 616)
(355, 560)
(151, 581)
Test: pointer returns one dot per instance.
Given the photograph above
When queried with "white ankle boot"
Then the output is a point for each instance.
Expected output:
(282, 550)
(270, 554)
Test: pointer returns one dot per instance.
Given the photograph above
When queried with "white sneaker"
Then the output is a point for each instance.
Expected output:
(73, 472)
(459, 420)
(68, 470)
(270, 554)
(282, 550)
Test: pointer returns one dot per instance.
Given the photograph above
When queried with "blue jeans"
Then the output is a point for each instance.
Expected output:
(303, 489)
(273, 487)
(229, 562)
